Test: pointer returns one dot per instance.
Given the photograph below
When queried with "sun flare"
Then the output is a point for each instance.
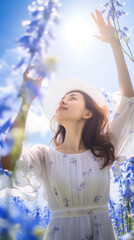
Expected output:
(79, 32)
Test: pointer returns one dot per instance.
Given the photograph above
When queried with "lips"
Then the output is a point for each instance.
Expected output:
(61, 108)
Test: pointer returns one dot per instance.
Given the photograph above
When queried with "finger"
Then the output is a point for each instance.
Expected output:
(94, 18)
(39, 81)
(108, 21)
(26, 72)
(26, 76)
(100, 17)
(97, 14)
(29, 68)
(97, 36)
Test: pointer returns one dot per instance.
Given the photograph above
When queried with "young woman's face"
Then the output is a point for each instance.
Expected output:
(72, 108)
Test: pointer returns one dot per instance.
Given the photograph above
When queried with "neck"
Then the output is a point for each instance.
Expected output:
(73, 139)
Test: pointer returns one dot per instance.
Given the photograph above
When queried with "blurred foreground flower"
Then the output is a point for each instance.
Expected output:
(16, 224)
(128, 236)
(38, 38)
(36, 43)
(45, 66)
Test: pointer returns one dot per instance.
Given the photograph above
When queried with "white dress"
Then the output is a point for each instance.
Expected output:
(75, 187)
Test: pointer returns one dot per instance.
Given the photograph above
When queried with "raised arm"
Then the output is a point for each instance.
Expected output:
(108, 34)
(8, 161)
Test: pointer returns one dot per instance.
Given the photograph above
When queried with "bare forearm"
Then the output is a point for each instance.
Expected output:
(107, 34)
(125, 83)
(21, 117)
(17, 132)
(18, 128)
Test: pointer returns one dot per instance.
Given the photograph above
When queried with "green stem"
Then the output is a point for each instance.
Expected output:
(123, 228)
(126, 215)
(129, 55)
(130, 221)
(122, 219)
(124, 38)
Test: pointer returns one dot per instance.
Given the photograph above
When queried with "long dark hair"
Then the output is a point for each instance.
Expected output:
(95, 134)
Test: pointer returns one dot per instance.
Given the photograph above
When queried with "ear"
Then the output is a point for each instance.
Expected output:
(88, 114)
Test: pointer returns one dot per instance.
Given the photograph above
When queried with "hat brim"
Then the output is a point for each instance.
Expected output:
(58, 88)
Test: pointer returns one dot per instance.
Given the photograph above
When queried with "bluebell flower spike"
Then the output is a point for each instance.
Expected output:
(113, 10)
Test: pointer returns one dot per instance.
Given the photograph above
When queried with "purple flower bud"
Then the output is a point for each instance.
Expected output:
(6, 125)
(24, 41)
(22, 61)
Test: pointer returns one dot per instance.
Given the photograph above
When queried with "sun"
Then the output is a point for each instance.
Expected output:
(79, 33)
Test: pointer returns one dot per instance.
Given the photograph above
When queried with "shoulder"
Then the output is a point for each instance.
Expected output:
(37, 150)
(41, 149)
(35, 147)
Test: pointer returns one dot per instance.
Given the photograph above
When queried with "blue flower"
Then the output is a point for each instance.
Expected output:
(6, 126)
(45, 66)
(128, 236)
(22, 61)
(6, 146)
(19, 221)
(111, 7)
(82, 185)
(36, 37)
(24, 41)
(5, 105)
(55, 191)
(114, 11)
(35, 42)
(53, 231)
(73, 160)
(66, 202)
(119, 212)
(97, 198)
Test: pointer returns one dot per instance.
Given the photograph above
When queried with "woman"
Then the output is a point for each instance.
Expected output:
(75, 174)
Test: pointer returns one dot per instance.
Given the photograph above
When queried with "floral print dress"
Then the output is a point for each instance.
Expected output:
(75, 187)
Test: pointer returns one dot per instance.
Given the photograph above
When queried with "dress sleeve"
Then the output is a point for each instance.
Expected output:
(122, 126)
(27, 177)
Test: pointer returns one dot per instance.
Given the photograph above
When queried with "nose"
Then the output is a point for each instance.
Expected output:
(63, 101)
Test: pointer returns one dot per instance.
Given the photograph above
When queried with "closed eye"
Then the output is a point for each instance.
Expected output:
(73, 98)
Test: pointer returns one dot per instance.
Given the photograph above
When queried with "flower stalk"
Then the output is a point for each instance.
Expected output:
(121, 33)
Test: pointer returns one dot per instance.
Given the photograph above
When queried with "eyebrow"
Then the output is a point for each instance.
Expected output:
(72, 94)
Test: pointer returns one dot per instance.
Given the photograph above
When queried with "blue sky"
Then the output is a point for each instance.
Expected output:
(94, 63)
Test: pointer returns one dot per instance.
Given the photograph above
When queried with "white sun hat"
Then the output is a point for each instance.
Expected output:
(58, 88)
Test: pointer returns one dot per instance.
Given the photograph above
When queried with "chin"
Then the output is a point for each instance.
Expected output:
(61, 120)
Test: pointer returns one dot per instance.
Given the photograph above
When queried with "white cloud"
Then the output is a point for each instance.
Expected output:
(36, 121)
(9, 78)
(5, 90)
(3, 64)
(8, 75)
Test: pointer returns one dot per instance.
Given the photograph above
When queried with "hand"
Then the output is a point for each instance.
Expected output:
(30, 87)
(107, 31)
(27, 78)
